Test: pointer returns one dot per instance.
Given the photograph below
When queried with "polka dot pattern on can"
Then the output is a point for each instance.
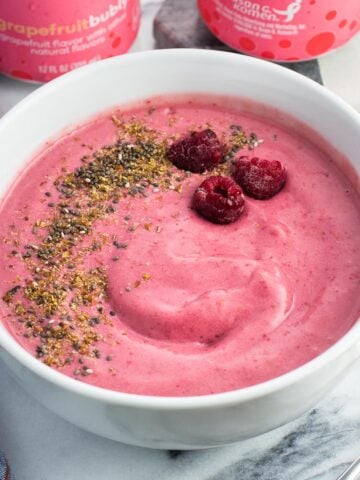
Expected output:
(283, 30)
(320, 43)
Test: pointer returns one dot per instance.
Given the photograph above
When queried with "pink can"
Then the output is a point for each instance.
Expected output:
(282, 30)
(42, 39)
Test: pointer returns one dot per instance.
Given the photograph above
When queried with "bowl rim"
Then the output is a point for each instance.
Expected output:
(347, 342)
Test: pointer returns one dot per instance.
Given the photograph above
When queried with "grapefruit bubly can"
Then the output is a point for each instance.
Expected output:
(42, 39)
(282, 30)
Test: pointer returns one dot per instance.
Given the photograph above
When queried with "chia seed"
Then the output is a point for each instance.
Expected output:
(95, 320)
(57, 284)
(119, 244)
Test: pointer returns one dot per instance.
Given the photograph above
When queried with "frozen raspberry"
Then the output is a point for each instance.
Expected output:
(259, 178)
(219, 199)
(197, 152)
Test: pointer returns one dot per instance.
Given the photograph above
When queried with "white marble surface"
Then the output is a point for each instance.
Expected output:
(318, 446)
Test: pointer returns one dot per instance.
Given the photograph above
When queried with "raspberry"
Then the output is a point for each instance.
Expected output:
(197, 152)
(259, 178)
(219, 199)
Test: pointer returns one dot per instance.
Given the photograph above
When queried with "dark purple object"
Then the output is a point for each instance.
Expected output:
(178, 24)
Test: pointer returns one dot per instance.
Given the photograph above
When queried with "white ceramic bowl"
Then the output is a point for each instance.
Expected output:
(191, 422)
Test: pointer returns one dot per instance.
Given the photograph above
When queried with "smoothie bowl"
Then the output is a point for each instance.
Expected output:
(179, 246)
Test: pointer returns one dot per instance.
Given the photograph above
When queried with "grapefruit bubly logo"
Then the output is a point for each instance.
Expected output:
(95, 20)
(55, 29)
(266, 12)
(41, 40)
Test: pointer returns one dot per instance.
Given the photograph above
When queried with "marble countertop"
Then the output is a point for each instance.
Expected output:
(318, 446)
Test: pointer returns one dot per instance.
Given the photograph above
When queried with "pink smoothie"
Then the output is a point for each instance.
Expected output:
(186, 307)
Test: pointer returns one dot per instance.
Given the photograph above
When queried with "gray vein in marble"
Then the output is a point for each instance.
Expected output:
(296, 450)
(318, 446)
